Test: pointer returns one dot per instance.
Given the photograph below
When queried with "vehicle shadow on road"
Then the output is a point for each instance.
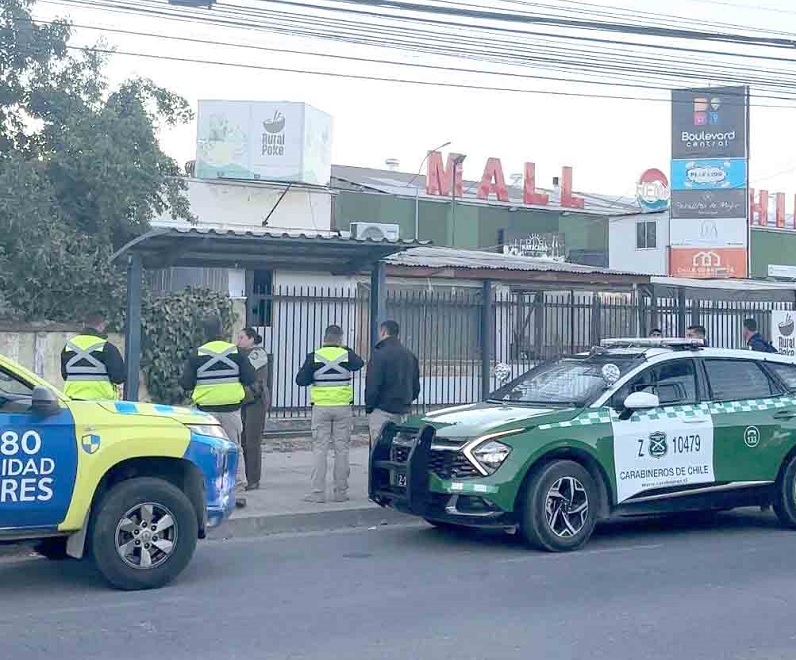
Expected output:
(622, 531)
(38, 575)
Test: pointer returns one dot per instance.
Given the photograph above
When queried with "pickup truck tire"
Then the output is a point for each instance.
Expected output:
(559, 511)
(143, 534)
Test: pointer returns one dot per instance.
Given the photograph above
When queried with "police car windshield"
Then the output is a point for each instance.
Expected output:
(570, 381)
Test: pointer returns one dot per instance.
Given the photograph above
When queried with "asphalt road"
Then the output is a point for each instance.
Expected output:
(693, 589)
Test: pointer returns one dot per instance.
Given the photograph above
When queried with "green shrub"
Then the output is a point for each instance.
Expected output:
(171, 329)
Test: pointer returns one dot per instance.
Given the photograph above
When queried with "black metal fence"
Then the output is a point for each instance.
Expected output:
(460, 333)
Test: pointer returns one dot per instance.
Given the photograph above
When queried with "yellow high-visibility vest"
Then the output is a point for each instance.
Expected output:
(218, 378)
(86, 374)
(332, 383)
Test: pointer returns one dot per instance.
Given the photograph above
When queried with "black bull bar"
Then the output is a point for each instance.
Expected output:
(384, 474)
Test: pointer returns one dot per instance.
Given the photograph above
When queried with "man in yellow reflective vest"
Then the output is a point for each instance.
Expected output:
(91, 366)
(329, 373)
(216, 375)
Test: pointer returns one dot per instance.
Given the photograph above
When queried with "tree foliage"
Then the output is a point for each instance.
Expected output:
(81, 170)
(172, 328)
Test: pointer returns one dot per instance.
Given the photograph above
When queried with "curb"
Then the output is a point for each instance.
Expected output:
(316, 521)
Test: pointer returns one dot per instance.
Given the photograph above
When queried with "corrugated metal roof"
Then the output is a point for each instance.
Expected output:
(440, 257)
(268, 234)
(407, 184)
(230, 248)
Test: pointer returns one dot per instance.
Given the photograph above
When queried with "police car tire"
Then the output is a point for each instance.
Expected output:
(116, 503)
(785, 502)
(533, 523)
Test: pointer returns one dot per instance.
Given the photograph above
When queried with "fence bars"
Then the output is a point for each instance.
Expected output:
(460, 333)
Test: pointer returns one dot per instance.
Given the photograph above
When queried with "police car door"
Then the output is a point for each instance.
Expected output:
(38, 459)
(658, 453)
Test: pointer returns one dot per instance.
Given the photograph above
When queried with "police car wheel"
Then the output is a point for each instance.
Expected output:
(144, 534)
(560, 506)
(785, 499)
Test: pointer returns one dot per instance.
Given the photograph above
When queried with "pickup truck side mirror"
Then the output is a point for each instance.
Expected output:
(44, 402)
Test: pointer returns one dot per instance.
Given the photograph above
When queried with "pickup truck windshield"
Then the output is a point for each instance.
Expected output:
(573, 381)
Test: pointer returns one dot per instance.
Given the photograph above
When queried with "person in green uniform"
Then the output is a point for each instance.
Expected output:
(255, 405)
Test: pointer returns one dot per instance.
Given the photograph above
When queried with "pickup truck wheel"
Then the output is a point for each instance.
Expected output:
(559, 512)
(785, 497)
(143, 534)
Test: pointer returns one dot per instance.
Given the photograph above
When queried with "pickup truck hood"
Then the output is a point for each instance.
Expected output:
(481, 418)
(179, 414)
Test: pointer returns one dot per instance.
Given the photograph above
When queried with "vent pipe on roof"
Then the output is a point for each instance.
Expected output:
(392, 164)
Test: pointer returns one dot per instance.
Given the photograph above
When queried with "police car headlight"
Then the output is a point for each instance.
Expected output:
(491, 455)
(487, 453)
(209, 430)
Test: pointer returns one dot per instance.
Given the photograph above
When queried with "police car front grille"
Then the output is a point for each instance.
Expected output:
(399, 454)
(451, 465)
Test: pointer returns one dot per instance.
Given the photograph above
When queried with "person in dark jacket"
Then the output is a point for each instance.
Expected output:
(754, 340)
(697, 332)
(329, 373)
(392, 383)
(255, 405)
(217, 374)
(91, 366)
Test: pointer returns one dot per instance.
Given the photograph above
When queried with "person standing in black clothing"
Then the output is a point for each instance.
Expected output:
(754, 340)
(91, 366)
(392, 382)
(697, 332)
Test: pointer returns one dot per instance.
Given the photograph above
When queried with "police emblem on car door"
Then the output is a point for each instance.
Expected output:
(661, 450)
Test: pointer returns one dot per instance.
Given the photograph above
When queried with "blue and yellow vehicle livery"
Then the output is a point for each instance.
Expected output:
(130, 485)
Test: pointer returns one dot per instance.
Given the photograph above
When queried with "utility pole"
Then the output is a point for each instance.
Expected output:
(457, 160)
(417, 188)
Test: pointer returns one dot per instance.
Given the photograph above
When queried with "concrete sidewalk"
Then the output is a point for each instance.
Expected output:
(279, 505)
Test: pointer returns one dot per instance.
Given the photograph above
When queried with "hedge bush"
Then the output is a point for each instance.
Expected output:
(171, 329)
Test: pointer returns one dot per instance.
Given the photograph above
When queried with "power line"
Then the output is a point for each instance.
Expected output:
(501, 17)
(364, 59)
(547, 62)
(653, 70)
(244, 21)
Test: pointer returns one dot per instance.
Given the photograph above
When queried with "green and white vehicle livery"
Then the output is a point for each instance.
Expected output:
(634, 427)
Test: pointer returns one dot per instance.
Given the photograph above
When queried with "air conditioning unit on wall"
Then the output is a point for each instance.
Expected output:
(375, 231)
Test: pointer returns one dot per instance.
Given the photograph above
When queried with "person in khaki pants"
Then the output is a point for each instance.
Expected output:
(328, 372)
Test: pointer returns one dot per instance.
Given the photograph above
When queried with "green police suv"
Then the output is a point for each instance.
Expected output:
(634, 427)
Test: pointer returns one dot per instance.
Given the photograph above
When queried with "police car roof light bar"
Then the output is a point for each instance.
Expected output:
(675, 343)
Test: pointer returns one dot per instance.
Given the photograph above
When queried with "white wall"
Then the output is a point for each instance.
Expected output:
(238, 205)
(622, 252)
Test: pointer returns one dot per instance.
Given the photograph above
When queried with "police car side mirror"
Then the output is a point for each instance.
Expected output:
(44, 402)
(641, 401)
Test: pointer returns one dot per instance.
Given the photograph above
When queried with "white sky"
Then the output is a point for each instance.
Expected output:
(608, 142)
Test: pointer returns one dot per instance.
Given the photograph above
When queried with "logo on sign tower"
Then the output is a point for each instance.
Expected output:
(652, 191)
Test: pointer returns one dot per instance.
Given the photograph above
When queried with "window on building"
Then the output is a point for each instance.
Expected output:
(646, 235)
(259, 306)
